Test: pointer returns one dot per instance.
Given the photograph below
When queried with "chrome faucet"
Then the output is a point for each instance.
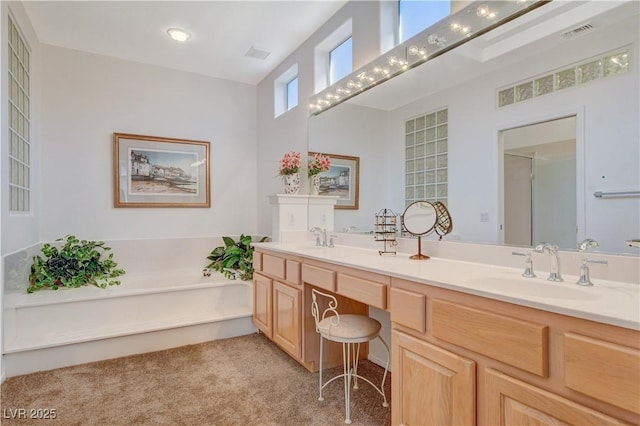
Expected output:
(554, 262)
(584, 269)
(528, 270)
(320, 231)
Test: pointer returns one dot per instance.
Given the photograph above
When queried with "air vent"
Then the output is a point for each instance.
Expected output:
(257, 53)
(579, 30)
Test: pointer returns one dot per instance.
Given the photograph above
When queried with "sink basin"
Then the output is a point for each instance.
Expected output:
(534, 287)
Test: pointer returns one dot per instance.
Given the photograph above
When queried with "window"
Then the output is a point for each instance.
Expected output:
(292, 93)
(426, 162)
(19, 121)
(341, 61)
(416, 15)
(333, 57)
(285, 91)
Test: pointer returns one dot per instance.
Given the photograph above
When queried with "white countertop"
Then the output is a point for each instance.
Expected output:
(608, 302)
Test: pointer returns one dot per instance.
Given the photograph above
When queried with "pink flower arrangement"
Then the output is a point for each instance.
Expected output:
(290, 163)
(318, 163)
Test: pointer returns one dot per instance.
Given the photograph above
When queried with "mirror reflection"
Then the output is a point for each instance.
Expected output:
(493, 88)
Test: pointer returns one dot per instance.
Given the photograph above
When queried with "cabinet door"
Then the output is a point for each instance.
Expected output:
(431, 386)
(286, 318)
(262, 303)
(513, 402)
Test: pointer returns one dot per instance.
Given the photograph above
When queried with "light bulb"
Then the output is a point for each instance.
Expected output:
(178, 35)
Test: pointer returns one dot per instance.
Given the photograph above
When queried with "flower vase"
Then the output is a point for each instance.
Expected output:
(291, 183)
(314, 184)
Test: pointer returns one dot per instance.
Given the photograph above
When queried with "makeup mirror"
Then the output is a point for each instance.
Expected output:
(419, 219)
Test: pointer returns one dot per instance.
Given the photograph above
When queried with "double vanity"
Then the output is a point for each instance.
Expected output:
(472, 343)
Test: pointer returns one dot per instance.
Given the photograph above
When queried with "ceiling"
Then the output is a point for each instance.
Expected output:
(221, 31)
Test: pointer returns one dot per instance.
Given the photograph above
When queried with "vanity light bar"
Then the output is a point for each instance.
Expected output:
(449, 33)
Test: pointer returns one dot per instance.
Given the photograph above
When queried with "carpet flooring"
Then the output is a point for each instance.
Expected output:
(245, 380)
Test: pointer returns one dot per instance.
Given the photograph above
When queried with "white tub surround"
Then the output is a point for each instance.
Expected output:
(610, 302)
(164, 301)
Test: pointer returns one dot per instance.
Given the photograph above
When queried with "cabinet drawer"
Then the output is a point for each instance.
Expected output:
(365, 291)
(274, 266)
(319, 277)
(521, 344)
(603, 370)
(292, 272)
(408, 309)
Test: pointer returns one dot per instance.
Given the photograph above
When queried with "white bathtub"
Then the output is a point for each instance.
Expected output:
(149, 311)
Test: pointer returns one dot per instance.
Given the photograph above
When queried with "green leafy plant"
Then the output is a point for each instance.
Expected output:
(77, 263)
(234, 256)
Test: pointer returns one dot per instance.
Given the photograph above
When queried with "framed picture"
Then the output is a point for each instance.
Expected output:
(342, 180)
(151, 171)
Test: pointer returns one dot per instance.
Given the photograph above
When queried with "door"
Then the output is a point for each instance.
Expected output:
(517, 195)
(286, 318)
(512, 402)
(262, 303)
(431, 386)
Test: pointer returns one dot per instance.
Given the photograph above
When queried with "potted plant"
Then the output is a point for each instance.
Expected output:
(318, 163)
(77, 263)
(289, 170)
(234, 256)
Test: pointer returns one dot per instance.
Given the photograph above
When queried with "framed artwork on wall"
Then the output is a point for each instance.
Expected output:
(153, 171)
(342, 180)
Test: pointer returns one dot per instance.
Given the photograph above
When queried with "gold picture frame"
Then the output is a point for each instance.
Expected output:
(343, 180)
(154, 171)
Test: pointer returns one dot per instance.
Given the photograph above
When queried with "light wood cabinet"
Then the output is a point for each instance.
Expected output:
(513, 402)
(286, 318)
(458, 358)
(431, 386)
(262, 303)
(532, 367)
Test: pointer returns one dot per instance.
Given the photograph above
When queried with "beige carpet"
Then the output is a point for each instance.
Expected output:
(241, 381)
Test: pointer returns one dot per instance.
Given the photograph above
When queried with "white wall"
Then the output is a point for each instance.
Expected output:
(85, 98)
(288, 131)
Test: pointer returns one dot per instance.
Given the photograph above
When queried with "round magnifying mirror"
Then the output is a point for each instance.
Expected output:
(420, 219)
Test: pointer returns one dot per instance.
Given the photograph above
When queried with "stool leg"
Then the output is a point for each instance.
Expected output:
(355, 367)
(320, 398)
(386, 369)
(346, 361)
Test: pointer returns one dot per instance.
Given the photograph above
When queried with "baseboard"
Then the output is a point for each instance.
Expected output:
(378, 361)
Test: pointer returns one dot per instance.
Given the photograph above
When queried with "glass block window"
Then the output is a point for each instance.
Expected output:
(426, 161)
(611, 63)
(19, 121)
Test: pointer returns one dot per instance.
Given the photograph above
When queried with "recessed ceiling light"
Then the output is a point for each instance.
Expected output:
(178, 35)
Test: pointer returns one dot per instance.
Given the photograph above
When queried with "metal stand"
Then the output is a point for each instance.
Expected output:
(419, 256)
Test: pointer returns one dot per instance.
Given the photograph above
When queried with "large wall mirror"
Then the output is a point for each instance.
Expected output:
(567, 66)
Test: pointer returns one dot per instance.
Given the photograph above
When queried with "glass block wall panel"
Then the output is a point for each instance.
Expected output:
(611, 63)
(19, 121)
(426, 164)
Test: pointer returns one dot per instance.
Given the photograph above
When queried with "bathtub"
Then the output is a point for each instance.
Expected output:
(149, 311)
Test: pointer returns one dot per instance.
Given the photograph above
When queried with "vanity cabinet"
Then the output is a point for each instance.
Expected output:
(519, 365)
(277, 296)
(459, 358)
